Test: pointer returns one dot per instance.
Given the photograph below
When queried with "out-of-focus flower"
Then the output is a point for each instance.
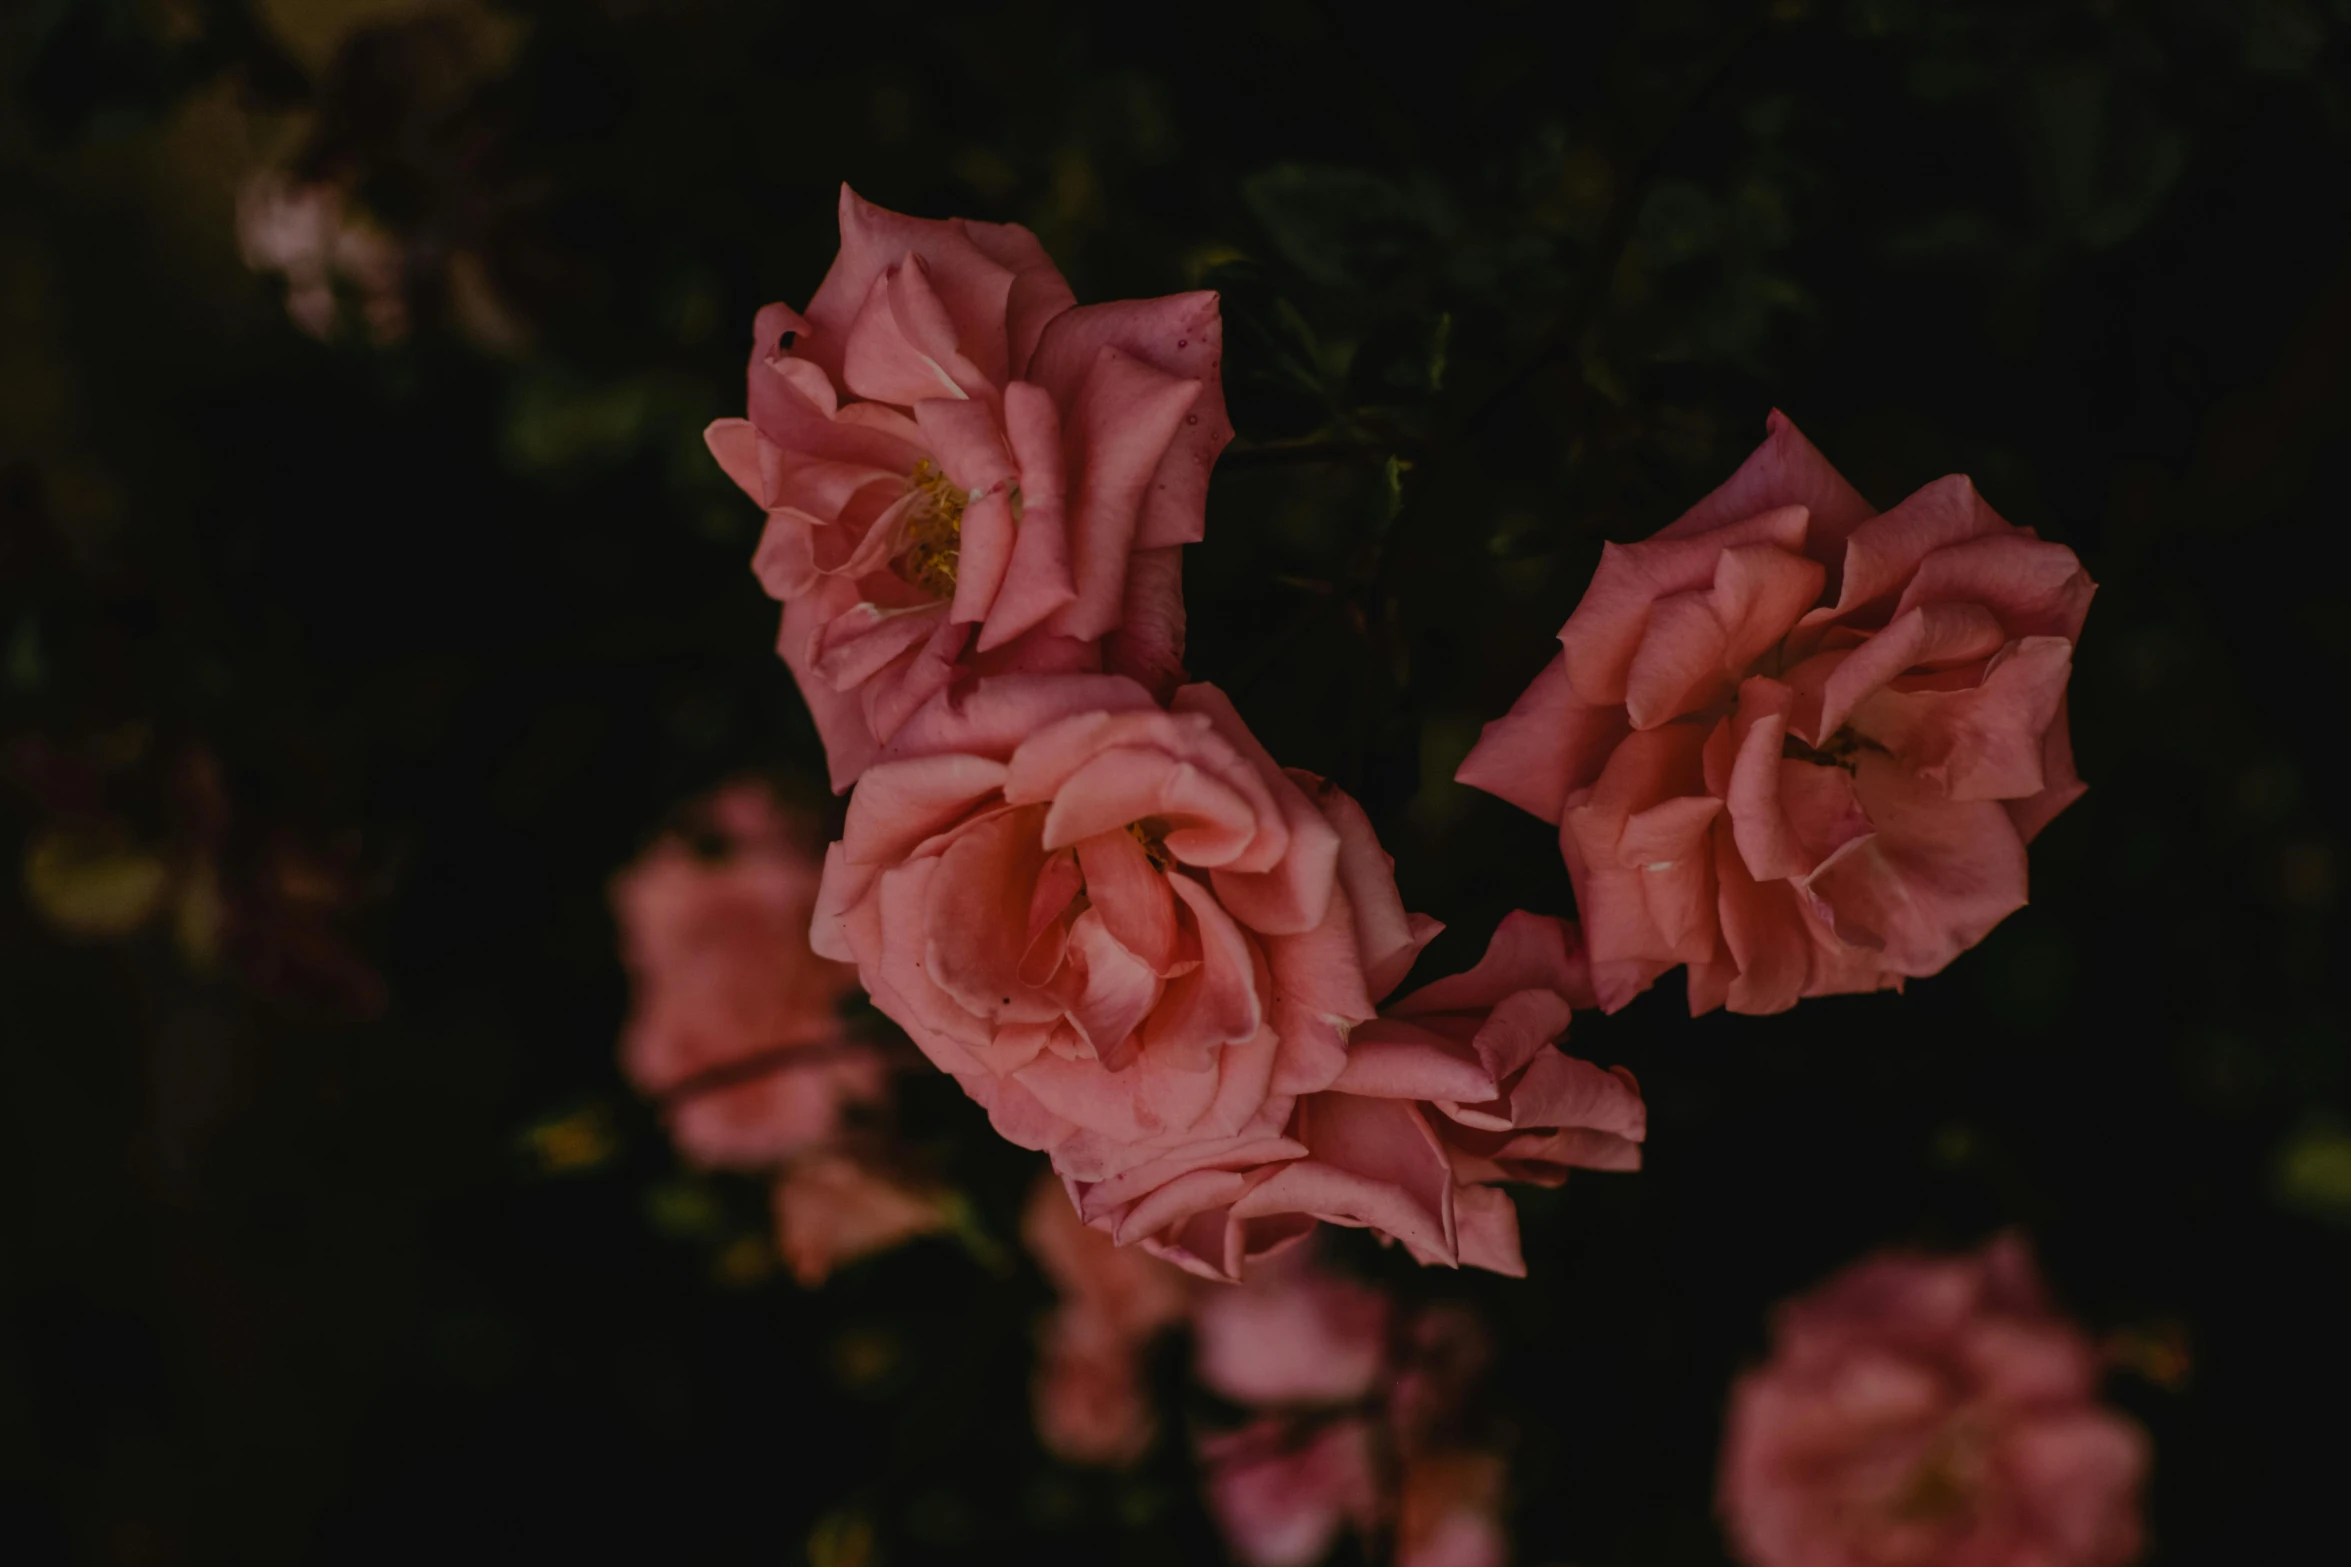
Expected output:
(1282, 1489)
(735, 1024)
(1930, 1412)
(1796, 745)
(966, 472)
(308, 233)
(1129, 935)
(1292, 1333)
(1090, 1402)
(1356, 1419)
(833, 1208)
(1454, 1089)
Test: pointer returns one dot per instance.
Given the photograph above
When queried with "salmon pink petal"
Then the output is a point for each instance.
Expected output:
(1038, 294)
(1882, 553)
(1985, 743)
(785, 562)
(994, 717)
(1526, 952)
(1131, 896)
(1487, 1224)
(1039, 582)
(1603, 636)
(735, 443)
(1388, 1058)
(901, 688)
(983, 556)
(904, 802)
(1786, 470)
(1930, 882)
(1678, 667)
(2037, 589)
(972, 286)
(977, 920)
(859, 641)
(1550, 744)
(1760, 592)
(1388, 938)
(966, 438)
(1933, 636)
(1125, 414)
(1120, 988)
(1517, 1031)
(2063, 785)
(1183, 335)
(785, 414)
(1130, 784)
(1373, 1163)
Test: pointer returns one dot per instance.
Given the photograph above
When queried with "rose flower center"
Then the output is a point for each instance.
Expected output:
(934, 531)
(1942, 1487)
(1841, 750)
(1151, 832)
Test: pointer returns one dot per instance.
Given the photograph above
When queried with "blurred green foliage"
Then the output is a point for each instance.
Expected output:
(337, 677)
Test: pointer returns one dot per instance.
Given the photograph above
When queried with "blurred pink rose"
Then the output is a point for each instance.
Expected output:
(832, 1209)
(1796, 745)
(1292, 1333)
(966, 472)
(1129, 935)
(1356, 1419)
(1090, 1402)
(734, 1023)
(1281, 1489)
(1930, 1412)
(1452, 1090)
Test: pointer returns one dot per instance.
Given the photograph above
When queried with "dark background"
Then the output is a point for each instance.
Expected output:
(336, 679)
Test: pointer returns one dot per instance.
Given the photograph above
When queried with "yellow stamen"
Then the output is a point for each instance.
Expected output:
(934, 531)
(1151, 832)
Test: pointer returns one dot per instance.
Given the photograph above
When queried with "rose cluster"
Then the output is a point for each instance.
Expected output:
(1079, 883)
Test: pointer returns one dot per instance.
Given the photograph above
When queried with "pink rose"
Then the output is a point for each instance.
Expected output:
(966, 472)
(1281, 1490)
(1929, 1412)
(1452, 1090)
(1089, 1396)
(1355, 1417)
(735, 1024)
(1128, 934)
(1796, 745)
(832, 1209)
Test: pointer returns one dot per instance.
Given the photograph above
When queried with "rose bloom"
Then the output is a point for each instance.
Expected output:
(1929, 1412)
(965, 472)
(1089, 1397)
(1452, 1090)
(1126, 932)
(832, 1208)
(1797, 745)
(734, 1022)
